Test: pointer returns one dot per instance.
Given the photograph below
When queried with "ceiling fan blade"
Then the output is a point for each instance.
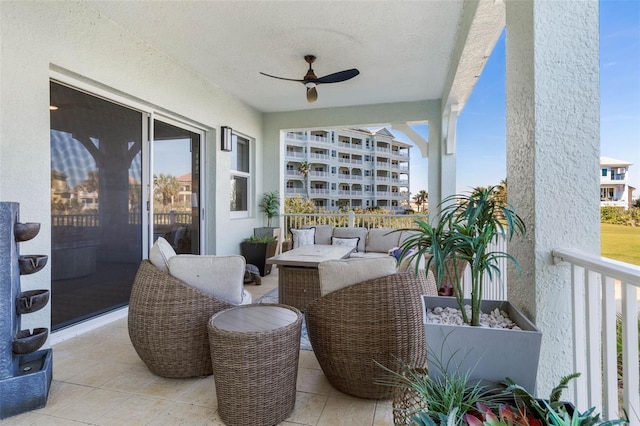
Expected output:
(282, 78)
(312, 94)
(337, 77)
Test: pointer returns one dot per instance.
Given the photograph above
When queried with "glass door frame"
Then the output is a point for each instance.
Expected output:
(147, 178)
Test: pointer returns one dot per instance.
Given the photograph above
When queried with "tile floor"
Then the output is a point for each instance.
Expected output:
(98, 379)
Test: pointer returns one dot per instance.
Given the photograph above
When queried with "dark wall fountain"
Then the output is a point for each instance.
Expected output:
(25, 371)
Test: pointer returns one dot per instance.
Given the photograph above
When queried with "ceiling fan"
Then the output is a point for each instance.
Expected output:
(310, 80)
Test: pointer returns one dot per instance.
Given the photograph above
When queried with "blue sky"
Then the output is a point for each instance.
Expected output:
(481, 131)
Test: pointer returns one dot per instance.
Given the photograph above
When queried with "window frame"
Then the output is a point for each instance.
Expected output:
(248, 175)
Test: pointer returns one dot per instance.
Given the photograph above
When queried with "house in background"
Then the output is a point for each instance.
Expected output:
(614, 183)
(349, 168)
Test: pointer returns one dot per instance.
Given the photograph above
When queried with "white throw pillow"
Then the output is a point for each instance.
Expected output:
(347, 241)
(337, 274)
(219, 276)
(160, 254)
(303, 237)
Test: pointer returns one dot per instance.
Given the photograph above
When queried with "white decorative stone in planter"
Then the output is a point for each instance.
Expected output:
(489, 354)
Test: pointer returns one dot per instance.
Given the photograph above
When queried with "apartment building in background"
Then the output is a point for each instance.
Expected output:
(614, 183)
(349, 168)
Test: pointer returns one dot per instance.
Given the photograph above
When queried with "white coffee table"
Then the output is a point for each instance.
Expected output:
(298, 280)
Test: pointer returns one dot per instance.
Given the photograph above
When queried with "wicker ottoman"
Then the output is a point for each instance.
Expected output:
(254, 354)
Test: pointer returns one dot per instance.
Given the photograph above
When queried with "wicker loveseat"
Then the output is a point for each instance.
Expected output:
(376, 320)
(168, 323)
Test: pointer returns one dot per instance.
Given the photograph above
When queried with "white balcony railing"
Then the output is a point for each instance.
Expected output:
(318, 156)
(292, 191)
(295, 154)
(595, 282)
(319, 191)
(368, 221)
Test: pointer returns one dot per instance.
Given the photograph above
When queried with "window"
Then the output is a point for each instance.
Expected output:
(240, 176)
(604, 172)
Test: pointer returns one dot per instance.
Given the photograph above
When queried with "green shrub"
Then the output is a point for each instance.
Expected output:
(620, 216)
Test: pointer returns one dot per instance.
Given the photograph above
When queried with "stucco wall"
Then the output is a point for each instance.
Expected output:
(553, 141)
(39, 36)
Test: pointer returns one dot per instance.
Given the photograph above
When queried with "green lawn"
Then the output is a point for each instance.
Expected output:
(620, 242)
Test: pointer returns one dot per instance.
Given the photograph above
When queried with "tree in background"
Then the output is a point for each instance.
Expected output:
(421, 199)
(91, 183)
(165, 188)
(304, 169)
(299, 205)
(500, 193)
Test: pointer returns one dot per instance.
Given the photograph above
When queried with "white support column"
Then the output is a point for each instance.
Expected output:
(442, 166)
(451, 122)
(553, 140)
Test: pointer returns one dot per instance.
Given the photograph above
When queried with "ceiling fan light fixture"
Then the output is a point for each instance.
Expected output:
(311, 81)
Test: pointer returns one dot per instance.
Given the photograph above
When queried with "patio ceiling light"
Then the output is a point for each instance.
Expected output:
(310, 79)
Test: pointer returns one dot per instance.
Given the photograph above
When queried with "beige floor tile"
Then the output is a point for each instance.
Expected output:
(92, 406)
(62, 394)
(308, 408)
(383, 414)
(202, 392)
(308, 360)
(313, 381)
(45, 420)
(133, 380)
(214, 420)
(178, 413)
(347, 412)
(125, 354)
(93, 375)
(21, 419)
(165, 388)
(68, 366)
(137, 410)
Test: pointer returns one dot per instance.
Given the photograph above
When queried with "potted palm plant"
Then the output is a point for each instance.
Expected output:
(465, 232)
(270, 206)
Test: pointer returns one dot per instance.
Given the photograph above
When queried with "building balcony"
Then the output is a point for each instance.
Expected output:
(319, 191)
(318, 156)
(294, 191)
(616, 180)
(294, 154)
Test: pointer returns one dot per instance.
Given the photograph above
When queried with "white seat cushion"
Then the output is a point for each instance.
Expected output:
(160, 253)
(323, 233)
(219, 276)
(337, 274)
(381, 240)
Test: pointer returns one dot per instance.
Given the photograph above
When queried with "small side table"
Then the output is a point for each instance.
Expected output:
(254, 355)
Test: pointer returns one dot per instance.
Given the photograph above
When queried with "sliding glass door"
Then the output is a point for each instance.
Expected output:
(176, 186)
(96, 204)
(112, 192)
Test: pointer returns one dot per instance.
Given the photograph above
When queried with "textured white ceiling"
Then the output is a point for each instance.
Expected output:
(403, 49)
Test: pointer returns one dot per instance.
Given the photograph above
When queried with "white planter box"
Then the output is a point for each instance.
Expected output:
(489, 354)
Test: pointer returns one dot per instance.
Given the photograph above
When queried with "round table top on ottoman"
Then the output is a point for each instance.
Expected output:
(254, 355)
